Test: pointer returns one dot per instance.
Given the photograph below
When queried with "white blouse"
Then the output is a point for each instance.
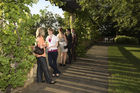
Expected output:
(52, 42)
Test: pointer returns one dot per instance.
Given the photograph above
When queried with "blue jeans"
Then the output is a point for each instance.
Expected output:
(42, 68)
(52, 58)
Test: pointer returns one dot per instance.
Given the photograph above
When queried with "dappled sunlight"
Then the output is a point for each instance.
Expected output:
(82, 66)
(55, 90)
(89, 71)
(85, 77)
(81, 85)
(65, 86)
(125, 69)
(125, 72)
(86, 74)
(119, 61)
(88, 67)
(135, 51)
(75, 88)
(94, 63)
(92, 59)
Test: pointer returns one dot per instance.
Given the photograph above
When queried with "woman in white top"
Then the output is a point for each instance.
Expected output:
(62, 44)
(52, 41)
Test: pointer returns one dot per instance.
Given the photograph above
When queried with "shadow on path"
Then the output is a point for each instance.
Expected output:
(86, 75)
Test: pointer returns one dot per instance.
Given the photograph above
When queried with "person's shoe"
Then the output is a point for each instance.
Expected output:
(60, 64)
(43, 81)
(53, 75)
(52, 82)
(57, 75)
(64, 65)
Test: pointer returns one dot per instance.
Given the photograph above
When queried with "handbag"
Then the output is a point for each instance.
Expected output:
(38, 50)
(65, 47)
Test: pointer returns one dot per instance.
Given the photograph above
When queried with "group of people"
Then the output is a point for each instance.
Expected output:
(66, 41)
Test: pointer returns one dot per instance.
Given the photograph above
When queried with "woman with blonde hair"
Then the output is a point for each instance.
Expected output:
(62, 44)
(41, 58)
(52, 41)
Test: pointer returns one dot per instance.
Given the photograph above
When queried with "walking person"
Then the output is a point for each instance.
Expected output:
(42, 66)
(69, 44)
(62, 44)
(74, 44)
(52, 41)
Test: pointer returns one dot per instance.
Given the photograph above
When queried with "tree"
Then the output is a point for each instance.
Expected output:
(106, 17)
(48, 19)
(16, 58)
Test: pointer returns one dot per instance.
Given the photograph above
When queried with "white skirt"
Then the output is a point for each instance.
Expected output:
(62, 45)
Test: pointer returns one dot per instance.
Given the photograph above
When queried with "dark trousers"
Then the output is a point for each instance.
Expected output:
(70, 55)
(52, 58)
(42, 68)
(74, 55)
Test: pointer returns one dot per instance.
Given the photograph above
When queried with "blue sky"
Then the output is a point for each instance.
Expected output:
(42, 5)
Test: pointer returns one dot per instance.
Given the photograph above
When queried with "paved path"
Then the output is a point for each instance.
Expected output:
(87, 75)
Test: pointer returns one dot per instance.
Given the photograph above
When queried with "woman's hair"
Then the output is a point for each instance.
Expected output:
(61, 30)
(40, 32)
(50, 29)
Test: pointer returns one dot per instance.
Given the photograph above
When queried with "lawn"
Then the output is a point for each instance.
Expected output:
(124, 68)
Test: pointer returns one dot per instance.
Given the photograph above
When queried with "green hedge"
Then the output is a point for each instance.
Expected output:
(126, 40)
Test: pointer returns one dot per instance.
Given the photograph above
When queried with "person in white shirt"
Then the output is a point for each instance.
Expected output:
(52, 42)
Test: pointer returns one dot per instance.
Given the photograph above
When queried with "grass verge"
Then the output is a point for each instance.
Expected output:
(124, 66)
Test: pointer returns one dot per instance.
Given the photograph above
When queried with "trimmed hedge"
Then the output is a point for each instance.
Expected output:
(126, 40)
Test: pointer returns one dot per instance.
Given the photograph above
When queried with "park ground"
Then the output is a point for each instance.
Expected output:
(104, 69)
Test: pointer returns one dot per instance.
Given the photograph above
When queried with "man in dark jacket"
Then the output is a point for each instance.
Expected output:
(74, 44)
(69, 45)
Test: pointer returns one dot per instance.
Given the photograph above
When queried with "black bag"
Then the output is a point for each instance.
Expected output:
(38, 50)
(65, 47)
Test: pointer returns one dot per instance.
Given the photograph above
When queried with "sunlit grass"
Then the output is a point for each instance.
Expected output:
(124, 67)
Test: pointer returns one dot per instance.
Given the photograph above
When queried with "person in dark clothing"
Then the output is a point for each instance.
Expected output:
(69, 44)
(74, 44)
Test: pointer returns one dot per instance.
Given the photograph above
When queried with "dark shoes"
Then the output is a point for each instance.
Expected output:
(52, 82)
(43, 81)
(62, 64)
(56, 75)
(53, 75)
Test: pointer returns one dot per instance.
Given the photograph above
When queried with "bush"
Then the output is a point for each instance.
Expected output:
(126, 40)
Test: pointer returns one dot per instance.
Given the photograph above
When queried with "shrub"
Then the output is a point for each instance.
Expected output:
(126, 40)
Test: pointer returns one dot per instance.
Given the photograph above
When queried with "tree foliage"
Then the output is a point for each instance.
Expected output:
(120, 15)
(48, 19)
(93, 18)
(17, 34)
(106, 17)
(16, 58)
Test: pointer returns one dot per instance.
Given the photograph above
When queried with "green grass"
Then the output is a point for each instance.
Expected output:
(124, 67)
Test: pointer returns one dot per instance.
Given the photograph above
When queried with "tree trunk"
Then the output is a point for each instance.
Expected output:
(72, 19)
